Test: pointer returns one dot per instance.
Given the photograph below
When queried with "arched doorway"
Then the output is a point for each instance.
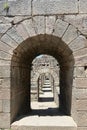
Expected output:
(20, 46)
(38, 76)
(20, 72)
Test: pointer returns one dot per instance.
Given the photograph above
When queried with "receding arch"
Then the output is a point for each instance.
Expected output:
(32, 49)
(55, 76)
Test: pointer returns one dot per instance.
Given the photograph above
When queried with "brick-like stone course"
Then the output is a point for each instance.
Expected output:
(54, 7)
(1, 106)
(82, 128)
(60, 27)
(81, 82)
(79, 43)
(82, 105)
(82, 118)
(16, 7)
(81, 93)
(5, 120)
(82, 6)
(4, 94)
(6, 106)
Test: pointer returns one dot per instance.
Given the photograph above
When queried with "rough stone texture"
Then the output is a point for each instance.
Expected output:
(82, 128)
(39, 24)
(4, 120)
(80, 53)
(82, 6)
(16, 7)
(4, 55)
(2, 11)
(6, 106)
(4, 62)
(81, 61)
(81, 82)
(50, 22)
(79, 21)
(22, 31)
(4, 28)
(5, 47)
(82, 105)
(82, 118)
(7, 39)
(60, 28)
(79, 43)
(29, 27)
(70, 34)
(4, 83)
(79, 72)
(4, 93)
(14, 35)
(6, 72)
(1, 106)
(54, 7)
(81, 94)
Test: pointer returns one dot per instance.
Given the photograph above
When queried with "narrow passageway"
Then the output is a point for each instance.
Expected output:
(46, 105)
(45, 114)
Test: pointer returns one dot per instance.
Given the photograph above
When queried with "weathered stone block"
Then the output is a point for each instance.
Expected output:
(82, 105)
(4, 71)
(50, 22)
(0, 106)
(79, 72)
(4, 28)
(82, 6)
(5, 83)
(4, 94)
(22, 31)
(5, 47)
(82, 118)
(4, 120)
(7, 39)
(82, 128)
(81, 61)
(18, 19)
(80, 53)
(29, 27)
(79, 21)
(79, 43)
(6, 105)
(81, 82)
(81, 94)
(70, 34)
(19, 7)
(2, 11)
(60, 28)
(4, 55)
(54, 7)
(39, 24)
(14, 35)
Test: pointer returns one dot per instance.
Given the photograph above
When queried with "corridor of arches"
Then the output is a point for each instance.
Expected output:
(45, 86)
(21, 73)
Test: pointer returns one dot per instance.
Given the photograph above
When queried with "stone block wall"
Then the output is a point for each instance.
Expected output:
(81, 96)
(66, 19)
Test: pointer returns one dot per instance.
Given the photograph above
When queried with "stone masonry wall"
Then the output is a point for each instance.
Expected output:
(14, 14)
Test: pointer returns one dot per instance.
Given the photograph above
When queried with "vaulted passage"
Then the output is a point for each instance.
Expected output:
(21, 70)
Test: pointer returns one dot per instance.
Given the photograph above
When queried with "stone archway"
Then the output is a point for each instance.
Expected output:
(55, 77)
(26, 40)
(66, 70)
(46, 70)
